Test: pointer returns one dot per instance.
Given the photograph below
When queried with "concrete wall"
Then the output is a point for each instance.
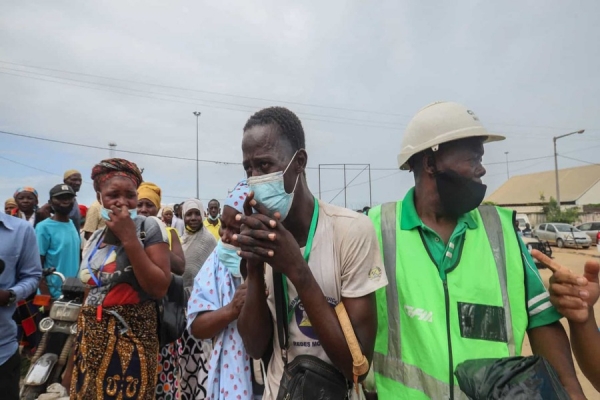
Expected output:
(589, 217)
(536, 218)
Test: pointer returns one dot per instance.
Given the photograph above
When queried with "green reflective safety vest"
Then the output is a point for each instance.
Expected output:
(426, 326)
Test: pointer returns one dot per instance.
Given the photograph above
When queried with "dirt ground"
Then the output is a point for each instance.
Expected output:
(574, 259)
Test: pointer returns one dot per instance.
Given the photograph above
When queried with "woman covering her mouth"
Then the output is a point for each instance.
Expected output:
(117, 344)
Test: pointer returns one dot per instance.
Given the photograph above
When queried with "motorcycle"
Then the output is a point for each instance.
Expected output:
(59, 331)
(537, 244)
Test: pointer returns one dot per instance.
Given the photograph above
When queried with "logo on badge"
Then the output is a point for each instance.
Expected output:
(302, 319)
(375, 273)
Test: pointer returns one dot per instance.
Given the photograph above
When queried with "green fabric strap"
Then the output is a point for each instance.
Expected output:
(307, 250)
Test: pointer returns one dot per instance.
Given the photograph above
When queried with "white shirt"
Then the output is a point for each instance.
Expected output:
(346, 262)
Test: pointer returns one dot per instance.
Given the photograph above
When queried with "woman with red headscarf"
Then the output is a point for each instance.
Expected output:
(126, 266)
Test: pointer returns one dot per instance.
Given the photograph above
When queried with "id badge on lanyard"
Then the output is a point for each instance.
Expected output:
(97, 279)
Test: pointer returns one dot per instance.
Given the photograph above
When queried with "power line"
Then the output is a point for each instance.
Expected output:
(560, 155)
(188, 197)
(246, 97)
(345, 187)
(518, 161)
(90, 183)
(581, 149)
(521, 168)
(577, 159)
(534, 126)
(230, 95)
(143, 153)
(122, 151)
(249, 107)
(203, 91)
(207, 92)
(362, 183)
(28, 166)
(215, 161)
(196, 101)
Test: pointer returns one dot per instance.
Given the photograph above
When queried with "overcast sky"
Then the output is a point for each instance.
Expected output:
(354, 71)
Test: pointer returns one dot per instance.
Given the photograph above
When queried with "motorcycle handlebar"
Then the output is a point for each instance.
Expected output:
(46, 272)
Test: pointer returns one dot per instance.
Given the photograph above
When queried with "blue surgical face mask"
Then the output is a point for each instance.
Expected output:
(269, 190)
(104, 212)
(215, 218)
(228, 256)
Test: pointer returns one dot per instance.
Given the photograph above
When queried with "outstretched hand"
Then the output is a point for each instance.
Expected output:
(571, 294)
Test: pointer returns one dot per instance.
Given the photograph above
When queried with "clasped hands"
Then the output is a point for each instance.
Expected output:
(264, 239)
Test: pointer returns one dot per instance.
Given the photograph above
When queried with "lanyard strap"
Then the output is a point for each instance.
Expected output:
(89, 266)
(283, 332)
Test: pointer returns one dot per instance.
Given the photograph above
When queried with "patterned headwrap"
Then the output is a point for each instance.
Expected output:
(167, 208)
(109, 168)
(26, 189)
(150, 192)
(237, 196)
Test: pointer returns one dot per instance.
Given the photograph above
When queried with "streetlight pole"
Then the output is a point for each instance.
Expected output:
(197, 114)
(111, 149)
(554, 139)
(507, 173)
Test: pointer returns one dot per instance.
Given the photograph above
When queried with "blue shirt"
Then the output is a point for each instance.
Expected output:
(59, 243)
(22, 272)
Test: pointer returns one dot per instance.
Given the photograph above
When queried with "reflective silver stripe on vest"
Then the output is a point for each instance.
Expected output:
(391, 365)
(493, 228)
(414, 377)
(388, 239)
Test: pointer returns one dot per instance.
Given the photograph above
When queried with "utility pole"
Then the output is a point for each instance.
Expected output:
(507, 173)
(554, 139)
(197, 114)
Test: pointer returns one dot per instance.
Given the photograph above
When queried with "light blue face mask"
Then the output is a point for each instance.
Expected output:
(228, 256)
(269, 190)
(104, 212)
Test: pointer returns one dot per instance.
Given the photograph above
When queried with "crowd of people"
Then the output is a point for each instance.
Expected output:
(278, 282)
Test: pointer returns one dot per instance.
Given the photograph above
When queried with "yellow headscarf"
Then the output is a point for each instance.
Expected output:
(10, 202)
(71, 172)
(150, 191)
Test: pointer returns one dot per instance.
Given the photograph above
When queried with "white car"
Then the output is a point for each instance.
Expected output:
(562, 235)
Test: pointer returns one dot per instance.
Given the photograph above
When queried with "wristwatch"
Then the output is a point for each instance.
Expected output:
(12, 297)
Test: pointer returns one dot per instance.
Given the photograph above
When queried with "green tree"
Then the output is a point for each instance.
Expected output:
(489, 203)
(555, 214)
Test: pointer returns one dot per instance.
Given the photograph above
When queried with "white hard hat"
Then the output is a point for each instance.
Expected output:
(439, 123)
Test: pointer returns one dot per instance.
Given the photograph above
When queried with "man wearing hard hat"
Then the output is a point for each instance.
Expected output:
(462, 285)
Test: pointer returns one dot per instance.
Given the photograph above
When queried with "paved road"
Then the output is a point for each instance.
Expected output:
(574, 259)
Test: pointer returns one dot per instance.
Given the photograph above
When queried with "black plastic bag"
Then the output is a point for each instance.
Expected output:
(514, 378)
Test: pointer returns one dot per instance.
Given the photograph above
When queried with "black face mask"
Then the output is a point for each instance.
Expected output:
(63, 210)
(458, 194)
